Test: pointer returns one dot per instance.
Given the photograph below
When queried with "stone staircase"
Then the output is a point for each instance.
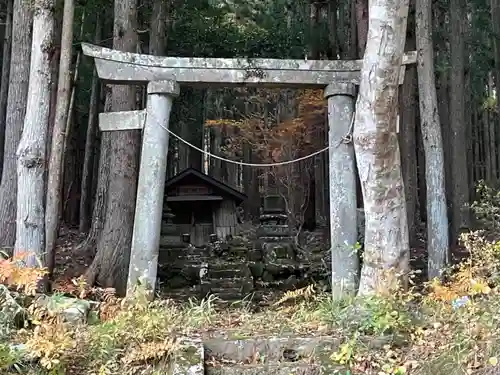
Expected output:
(193, 272)
(262, 356)
(259, 356)
(229, 281)
(236, 274)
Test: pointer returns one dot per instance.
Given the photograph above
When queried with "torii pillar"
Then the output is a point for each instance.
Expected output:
(151, 186)
(342, 179)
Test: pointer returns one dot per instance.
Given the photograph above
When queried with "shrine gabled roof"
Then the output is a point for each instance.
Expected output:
(191, 174)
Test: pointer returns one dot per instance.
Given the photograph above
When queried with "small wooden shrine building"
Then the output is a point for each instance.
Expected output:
(202, 205)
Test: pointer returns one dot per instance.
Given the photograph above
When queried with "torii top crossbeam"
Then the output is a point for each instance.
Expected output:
(130, 68)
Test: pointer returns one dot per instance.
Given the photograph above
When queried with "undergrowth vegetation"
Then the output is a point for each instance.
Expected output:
(449, 326)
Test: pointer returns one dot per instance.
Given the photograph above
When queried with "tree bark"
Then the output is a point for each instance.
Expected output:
(16, 108)
(4, 83)
(190, 116)
(408, 107)
(491, 118)
(110, 266)
(437, 216)
(56, 55)
(442, 87)
(333, 48)
(158, 36)
(71, 103)
(386, 252)
(495, 24)
(32, 150)
(160, 22)
(54, 186)
(362, 22)
(460, 183)
(320, 199)
(90, 140)
(101, 190)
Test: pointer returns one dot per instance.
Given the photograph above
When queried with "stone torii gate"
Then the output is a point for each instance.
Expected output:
(164, 75)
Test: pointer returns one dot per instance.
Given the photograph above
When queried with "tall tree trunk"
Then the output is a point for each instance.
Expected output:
(440, 42)
(216, 144)
(362, 22)
(490, 115)
(54, 186)
(32, 150)
(110, 266)
(495, 25)
(101, 190)
(386, 252)
(320, 200)
(71, 151)
(437, 216)
(16, 108)
(101, 165)
(190, 117)
(158, 36)
(90, 143)
(313, 52)
(353, 31)
(56, 55)
(361, 16)
(460, 183)
(333, 48)
(4, 79)
(408, 108)
(160, 22)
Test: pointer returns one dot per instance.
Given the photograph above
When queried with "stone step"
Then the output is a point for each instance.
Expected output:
(238, 251)
(275, 369)
(222, 273)
(281, 285)
(177, 254)
(181, 294)
(254, 255)
(221, 270)
(271, 349)
(231, 282)
(229, 294)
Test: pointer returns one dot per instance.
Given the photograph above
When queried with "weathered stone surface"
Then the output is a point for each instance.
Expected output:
(342, 191)
(21, 353)
(493, 370)
(230, 294)
(254, 255)
(271, 349)
(238, 251)
(11, 311)
(268, 282)
(170, 236)
(150, 187)
(129, 68)
(169, 254)
(222, 273)
(276, 252)
(72, 310)
(232, 282)
(126, 120)
(190, 360)
(273, 232)
(182, 294)
(257, 269)
(275, 369)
